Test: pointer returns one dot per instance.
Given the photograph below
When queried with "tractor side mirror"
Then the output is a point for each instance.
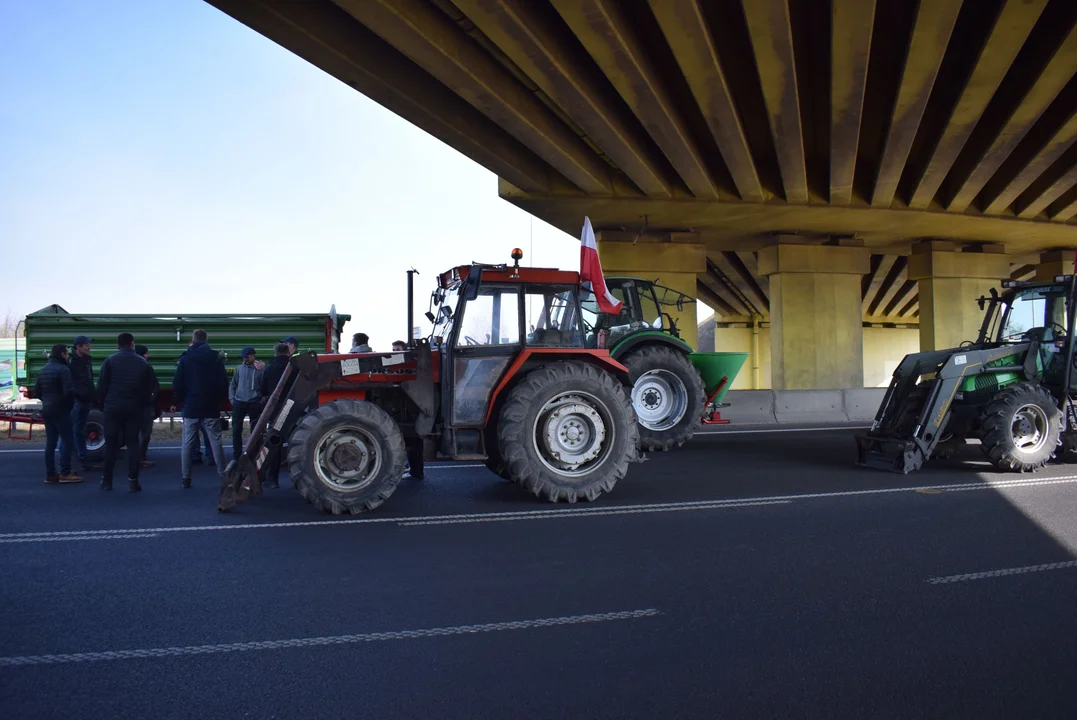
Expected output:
(680, 303)
(981, 301)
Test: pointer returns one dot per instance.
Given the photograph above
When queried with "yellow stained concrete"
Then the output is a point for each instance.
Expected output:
(1054, 263)
(815, 315)
(949, 285)
(884, 348)
(674, 265)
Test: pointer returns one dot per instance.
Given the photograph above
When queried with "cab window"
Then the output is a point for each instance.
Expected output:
(491, 319)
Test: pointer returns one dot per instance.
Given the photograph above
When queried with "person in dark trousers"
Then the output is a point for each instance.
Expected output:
(245, 395)
(270, 379)
(56, 390)
(196, 454)
(150, 413)
(81, 364)
(200, 385)
(123, 389)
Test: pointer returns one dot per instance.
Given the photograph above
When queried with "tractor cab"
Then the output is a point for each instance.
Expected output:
(491, 322)
(1033, 313)
(645, 306)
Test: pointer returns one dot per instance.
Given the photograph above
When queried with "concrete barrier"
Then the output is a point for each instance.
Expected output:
(769, 407)
(862, 404)
(750, 407)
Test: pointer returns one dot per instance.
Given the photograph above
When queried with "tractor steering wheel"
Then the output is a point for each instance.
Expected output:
(1061, 330)
(468, 340)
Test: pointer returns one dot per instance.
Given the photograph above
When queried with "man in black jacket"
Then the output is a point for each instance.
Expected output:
(200, 386)
(150, 412)
(56, 391)
(81, 364)
(270, 378)
(123, 390)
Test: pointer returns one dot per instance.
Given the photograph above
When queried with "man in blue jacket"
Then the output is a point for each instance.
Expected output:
(124, 389)
(200, 386)
(56, 391)
(81, 363)
(245, 394)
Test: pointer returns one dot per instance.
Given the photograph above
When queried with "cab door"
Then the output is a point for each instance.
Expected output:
(485, 339)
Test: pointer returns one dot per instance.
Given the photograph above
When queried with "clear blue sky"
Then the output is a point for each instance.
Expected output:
(158, 156)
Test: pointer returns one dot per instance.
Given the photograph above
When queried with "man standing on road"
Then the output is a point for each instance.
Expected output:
(150, 412)
(245, 394)
(200, 384)
(56, 390)
(124, 392)
(81, 365)
(270, 379)
(292, 343)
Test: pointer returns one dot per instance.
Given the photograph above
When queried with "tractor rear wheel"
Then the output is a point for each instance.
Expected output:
(667, 395)
(346, 456)
(1021, 427)
(95, 436)
(567, 432)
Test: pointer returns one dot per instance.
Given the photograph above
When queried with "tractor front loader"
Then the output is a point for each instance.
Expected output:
(1011, 388)
(528, 399)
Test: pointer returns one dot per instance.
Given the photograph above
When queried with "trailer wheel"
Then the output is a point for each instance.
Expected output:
(95, 436)
(567, 431)
(346, 456)
(1021, 427)
(667, 395)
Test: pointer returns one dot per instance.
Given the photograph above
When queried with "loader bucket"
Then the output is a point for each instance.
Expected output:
(714, 366)
(901, 456)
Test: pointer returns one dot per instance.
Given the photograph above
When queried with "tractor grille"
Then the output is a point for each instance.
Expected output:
(985, 388)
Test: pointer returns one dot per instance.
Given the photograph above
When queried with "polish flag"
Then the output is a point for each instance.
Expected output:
(591, 271)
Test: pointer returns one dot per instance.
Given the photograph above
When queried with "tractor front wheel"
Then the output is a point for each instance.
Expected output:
(346, 456)
(667, 395)
(567, 432)
(1021, 427)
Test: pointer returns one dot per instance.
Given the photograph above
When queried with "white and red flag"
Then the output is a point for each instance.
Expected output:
(591, 271)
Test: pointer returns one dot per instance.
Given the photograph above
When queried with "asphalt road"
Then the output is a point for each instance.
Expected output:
(747, 575)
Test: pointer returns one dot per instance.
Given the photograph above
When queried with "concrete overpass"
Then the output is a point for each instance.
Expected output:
(811, 169)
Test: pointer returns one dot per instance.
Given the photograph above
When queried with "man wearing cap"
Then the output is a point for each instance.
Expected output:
(292, 343)
(245, 394)
(81, 365)
(56, 390)
(150, 412)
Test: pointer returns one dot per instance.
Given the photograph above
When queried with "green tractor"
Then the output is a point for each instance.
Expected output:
(667, 390)
(1011, 389)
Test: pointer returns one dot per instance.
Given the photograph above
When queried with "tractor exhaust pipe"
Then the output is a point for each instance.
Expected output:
(411, 306)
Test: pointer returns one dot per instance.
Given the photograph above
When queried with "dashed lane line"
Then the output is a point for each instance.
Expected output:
(946, 579)
(570, 512)
(186, 650)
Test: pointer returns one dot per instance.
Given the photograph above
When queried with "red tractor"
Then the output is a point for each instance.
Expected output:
(528, 399)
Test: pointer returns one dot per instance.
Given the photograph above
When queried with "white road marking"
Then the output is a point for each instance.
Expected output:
(83, 536)
(750, 431)
(184, 650)
(760, 431)
(1002, 573)
(589, 512)
(568, 512)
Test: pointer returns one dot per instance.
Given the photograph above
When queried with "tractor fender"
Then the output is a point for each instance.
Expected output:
(599, 358)
(649, 337)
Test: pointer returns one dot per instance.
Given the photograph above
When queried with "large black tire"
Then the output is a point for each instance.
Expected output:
(346, 456)
(95, 436)
(1021, 427)
(589, 416)
(667, 395)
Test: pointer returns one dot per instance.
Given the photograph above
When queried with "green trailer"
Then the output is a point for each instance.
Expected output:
(167, 335)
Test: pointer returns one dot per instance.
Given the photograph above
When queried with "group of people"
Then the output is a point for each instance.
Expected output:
(127, 390)
(361, 344)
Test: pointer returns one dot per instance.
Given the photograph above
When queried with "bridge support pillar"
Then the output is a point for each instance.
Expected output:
(816, 325)
(949, 283)
(674, 265)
